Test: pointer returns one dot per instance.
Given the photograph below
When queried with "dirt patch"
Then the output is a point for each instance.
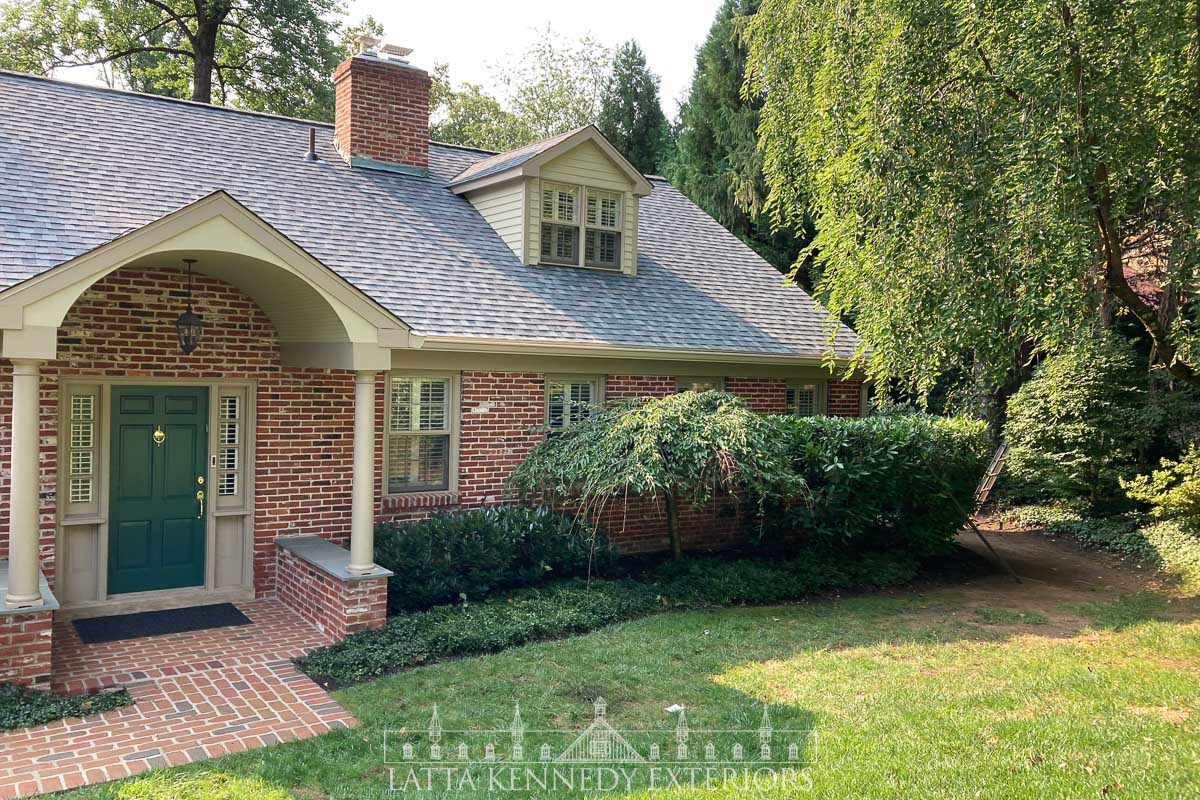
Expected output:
(1058, 577)
(1175, 716)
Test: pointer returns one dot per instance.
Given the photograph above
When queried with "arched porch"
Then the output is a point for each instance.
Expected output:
(93, 348)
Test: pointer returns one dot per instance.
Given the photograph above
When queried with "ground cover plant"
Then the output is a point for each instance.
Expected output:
(23, 708)
(570, 607)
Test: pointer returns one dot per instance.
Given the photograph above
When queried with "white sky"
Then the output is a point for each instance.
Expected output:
(471, 35)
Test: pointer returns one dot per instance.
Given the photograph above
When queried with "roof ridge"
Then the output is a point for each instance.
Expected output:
(87, 87)
(465, 147)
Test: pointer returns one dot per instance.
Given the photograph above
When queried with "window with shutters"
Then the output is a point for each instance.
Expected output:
(82, 449)
(575, 214)
(570, 399)
(560, 224)
(230, 439)
(419, 428)
(602, 234)
(805, 399)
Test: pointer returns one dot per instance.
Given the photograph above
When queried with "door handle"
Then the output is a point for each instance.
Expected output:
(200, 497)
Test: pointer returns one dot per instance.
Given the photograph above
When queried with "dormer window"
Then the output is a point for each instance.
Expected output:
(560, 224)
(562, 228)
(602, 238)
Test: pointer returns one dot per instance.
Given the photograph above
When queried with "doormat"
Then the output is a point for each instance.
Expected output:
(156, 623)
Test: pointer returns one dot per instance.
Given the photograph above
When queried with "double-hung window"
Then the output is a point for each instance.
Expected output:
(569, 400)
(578, 215)
(602, 235)
(805, 399)
(420, 421)
(560, 224)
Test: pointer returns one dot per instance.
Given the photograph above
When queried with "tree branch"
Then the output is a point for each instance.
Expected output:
(171, 13)
(132, 51)
(987, 65)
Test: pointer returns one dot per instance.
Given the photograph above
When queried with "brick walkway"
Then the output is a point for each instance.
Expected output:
(198, 695)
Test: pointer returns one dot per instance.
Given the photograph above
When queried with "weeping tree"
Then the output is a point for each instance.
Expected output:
(980, 173)
(685, 448)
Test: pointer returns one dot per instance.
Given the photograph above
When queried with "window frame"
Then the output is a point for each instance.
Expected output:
(821, 389)
(453, 422)
(582, 194)
(717, 381)
(597, 403)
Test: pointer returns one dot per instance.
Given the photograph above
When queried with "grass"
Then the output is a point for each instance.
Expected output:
(915, 696)
(1007, 616)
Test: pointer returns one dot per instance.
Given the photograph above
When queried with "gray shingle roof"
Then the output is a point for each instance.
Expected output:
(82, 165)
(501, 162)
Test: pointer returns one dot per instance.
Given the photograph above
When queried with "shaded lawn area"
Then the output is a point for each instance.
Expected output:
(919, 696)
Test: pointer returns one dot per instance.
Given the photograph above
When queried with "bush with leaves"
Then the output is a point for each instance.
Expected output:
(1079, 425)
(684, 447)
(469, 554)
(1172, 490)
(896, 482)
(23, 708)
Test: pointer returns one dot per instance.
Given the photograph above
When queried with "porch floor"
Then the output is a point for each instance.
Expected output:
(198, 695)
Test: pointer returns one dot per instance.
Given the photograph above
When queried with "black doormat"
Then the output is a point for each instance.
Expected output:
(155, 623)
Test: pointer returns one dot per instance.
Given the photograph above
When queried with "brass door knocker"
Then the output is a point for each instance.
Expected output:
(160, 436)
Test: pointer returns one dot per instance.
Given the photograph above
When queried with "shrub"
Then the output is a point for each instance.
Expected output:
(525, 616)
(199, 786)
(684, 447)
(23, 708)
(1172, 490)
(712, 582)
(903, 481)
(1079, 425)
(473, 553)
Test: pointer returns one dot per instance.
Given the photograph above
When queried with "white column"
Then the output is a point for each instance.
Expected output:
(362, 503)
(23, 533)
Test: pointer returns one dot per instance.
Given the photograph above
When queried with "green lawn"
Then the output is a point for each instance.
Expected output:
(909, 696)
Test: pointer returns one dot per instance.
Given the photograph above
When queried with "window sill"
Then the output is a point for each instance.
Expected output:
(420, 500)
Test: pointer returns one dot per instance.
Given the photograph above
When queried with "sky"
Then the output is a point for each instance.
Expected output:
(471, 35)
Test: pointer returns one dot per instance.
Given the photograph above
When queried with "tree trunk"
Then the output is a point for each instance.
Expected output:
(672, 510)
(204, 59)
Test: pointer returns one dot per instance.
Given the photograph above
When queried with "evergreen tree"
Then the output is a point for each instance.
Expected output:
(630, 114)
(717, 162)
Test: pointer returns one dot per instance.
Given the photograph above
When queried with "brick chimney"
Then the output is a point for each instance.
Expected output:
(381, 109)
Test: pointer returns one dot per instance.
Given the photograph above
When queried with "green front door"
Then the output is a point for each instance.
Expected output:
(156, 521)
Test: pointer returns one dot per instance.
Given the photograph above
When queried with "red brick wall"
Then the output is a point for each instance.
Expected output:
(25, 648)
(845, 399)
(336, 607)
(381, 111)
(124, 326)
(764, 395)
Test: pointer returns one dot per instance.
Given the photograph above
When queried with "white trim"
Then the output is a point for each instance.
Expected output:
(453, 420)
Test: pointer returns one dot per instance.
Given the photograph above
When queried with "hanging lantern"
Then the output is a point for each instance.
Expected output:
(189, 325)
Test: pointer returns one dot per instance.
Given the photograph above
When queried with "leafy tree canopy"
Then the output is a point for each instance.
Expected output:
(631, 116)
(716, 161)
(977, 170)
(267, 55)
(686, 446)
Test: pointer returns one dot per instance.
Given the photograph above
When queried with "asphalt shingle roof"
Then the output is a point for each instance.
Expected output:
(81, 166)
(501, 162)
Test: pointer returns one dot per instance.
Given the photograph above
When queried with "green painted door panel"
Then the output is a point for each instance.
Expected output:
(156, 528)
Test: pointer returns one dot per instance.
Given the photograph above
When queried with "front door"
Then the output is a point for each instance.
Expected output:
(157, 497)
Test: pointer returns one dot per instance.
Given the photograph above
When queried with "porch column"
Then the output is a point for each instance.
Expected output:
(23, 533)
(362, 503)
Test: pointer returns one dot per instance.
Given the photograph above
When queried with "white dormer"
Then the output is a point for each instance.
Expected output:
(570, 201)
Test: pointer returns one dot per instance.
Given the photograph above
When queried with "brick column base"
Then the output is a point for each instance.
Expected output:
(25, 642)
(324, 596)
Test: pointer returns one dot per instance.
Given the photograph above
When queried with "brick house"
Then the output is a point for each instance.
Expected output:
(388, 325)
